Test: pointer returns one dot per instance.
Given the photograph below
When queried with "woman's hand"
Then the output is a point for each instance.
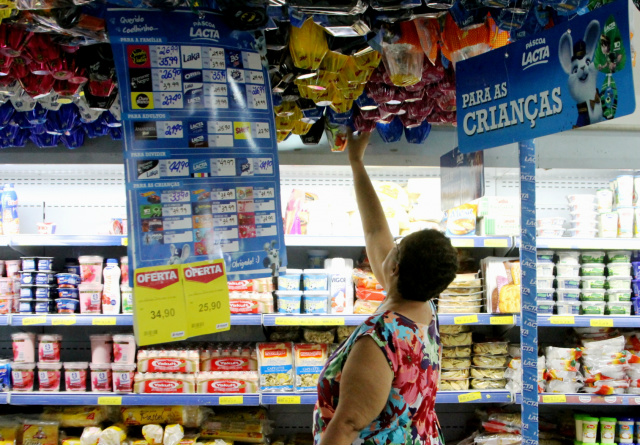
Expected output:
(357, 144)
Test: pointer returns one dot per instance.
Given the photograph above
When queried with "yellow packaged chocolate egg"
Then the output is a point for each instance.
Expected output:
(308, 45)
(39, 432)
(333, 61)
(301, 128)
(368, 58)
(282, 135)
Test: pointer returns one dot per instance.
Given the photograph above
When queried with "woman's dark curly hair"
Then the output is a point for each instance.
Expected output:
(427, 265)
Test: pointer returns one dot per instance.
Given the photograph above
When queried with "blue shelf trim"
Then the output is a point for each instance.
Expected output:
(619, 321)
(312, 319)
(358, 241)
(585, 243)
(483, 319)
(4, 320)
(308, 398)
(590, 399)
(489, 396)
(4, 398)
(101, 320)
(67, 240)
(63, 398)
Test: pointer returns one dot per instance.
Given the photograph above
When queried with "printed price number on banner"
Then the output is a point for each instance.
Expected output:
(163, 314)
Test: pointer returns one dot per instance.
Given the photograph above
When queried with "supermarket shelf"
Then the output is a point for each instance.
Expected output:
(101, 320)
(88, 398)
(288, 398)
(66, 240)
(358, 241)
(4, 320)
(312, 320)
(493, 396)
(4, 398)
(586, 243)
(479, 319)
(611, 321)
(589, 399)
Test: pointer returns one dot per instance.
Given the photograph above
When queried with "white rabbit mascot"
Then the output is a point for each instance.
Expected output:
(577, 61)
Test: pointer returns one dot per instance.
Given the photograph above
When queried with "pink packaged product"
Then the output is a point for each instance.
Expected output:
(123, 377)
(124, 349)
(242, 382)
(100, 377)
(91, 269)
(49, 376)
(101, 348)
(90, 298)
(164, 383)
(49, 348)
(24, 347)
(75, 376)
(166, 360)
(229, 357)
(22, 376)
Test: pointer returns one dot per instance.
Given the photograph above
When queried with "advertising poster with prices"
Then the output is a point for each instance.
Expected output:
(200, 142)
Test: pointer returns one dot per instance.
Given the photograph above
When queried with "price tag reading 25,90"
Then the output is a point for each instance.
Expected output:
(159, 313)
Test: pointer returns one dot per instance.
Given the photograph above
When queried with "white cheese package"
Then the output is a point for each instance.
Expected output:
(275, 363)
(309, 359)
(237, 382)
(168, 360)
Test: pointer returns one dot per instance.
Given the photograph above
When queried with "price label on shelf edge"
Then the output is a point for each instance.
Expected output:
(554, 398)
(469, 397)
(309, 321)
(288, 400)
(109, 400)
(230, 400)
(601, 322)
(466, 319)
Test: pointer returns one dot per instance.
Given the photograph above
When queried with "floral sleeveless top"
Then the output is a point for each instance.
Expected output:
(414, 357)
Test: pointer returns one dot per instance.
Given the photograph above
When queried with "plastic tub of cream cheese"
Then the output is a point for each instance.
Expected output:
(622, 283)
(594, 282)
(618, 295)
(290, 280)
(45, 278)
(546, 307)
(44, 292)
(592, 270)
(45, 264)
(315, 279)
(29, 263)
(593, 307)
(568, 294)
(568, 307)
(619, 269)
(552, 221)
(545, 282)
(567, 270)
(593, 256)
(585, 224)
(315, 302)
(608, 225)
(544, 294)
(544, 270)
(569, 282)
(568, 257)
(592, 294)
(545, 256)
(289, 302)
(619, 256)
(619, 308)
(584, 198)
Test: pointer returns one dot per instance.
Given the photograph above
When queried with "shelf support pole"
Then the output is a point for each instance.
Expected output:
(528, 258)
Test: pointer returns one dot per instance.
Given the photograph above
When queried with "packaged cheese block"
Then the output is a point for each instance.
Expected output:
(275, 363)
(309, 360)
(187, 416)
(221, 382)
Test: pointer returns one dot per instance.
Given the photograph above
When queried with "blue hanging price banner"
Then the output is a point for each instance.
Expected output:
(565, 77)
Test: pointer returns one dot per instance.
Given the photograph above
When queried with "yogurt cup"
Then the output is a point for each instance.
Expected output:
(127, 299)
(68, 292)
(636, 305)
(124, 270)
(568, 307)
(593, 256)
(568, 257)
(545, 307)
(22, 376)
(593, 282)
(45, 278)
(544, 294)
(315, 302)
(28, 278)
(75, 376)
(49, 348)
(623, 191)
(585, 198)
(621, 283)
(550, 232)
(68, 279)
(580, 209)
(6, 286)
(72, 266)
(607, 429)
(568, 294)
(625, 222)
(12, 267)
(619, 256)
(28, 292)
(619, 269)
(636, 287)
(42, 306)
(636, 222)
(592, 294)
(545, 282)
(90, 298)
(604, 200)
(124, 349)
(608, 225)
(315, 280)
(45, 264)
(67, 305)
(578, 422)
(593, 307)
(589, 429)
(29, 263)
(27, 306)
(569, 282)
(43, 292)
(91, 269)
(585, 224)
(289, 302)
(49, 376)
(101, 377)
(592, 270)
(123, 375)
(290, 280)
(618, 308)
(567, 270)
(624, 430)
(552, 221)
(619, 295)
(544, 270)
(6, 305)
(24, 347)
(545, 256)
(101, 348)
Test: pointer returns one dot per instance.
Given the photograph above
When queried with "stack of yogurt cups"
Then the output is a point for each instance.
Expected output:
(37, 285)
(625, 196)
(584, 216)
(545, 280)
(23, 366)
(568, 282)
(606, 286)
(115, 375)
